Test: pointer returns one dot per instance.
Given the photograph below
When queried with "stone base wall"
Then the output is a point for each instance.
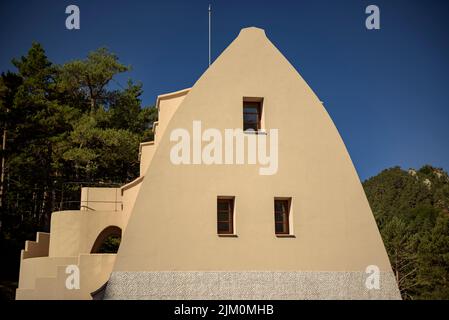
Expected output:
(198, 285)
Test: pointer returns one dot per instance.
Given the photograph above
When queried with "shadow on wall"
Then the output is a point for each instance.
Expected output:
(108, 241)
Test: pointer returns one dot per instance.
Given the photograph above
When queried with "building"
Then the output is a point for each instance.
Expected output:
(196, 227)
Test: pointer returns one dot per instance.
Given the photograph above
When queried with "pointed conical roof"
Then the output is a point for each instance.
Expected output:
(174, 221)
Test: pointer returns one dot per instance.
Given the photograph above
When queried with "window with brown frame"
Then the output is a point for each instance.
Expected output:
(252, 115)
(225, 215)
(281, 216)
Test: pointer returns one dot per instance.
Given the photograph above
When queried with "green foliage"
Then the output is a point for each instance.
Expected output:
(412, 212)
(66, 128)
(90, 77)
(110, 245)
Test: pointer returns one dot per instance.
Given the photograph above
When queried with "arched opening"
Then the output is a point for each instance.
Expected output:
(108, 241)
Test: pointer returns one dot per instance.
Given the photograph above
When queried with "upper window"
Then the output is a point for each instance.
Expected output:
(252, 115)
(225, 215)
(281, 216)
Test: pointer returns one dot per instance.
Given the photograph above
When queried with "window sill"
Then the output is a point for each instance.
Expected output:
(285, 236)
(262, 132)
(224, 235)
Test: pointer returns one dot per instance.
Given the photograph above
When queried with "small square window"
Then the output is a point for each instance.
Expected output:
(282, 216)
(225, 215)
(252, 115)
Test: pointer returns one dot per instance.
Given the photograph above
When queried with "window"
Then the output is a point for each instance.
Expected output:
(252, 115)
(281, 216)
(225, 215)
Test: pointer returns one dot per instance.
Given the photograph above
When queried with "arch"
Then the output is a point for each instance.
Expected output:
(107, 233)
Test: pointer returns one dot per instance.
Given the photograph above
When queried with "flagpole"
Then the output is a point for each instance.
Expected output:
(209, 33)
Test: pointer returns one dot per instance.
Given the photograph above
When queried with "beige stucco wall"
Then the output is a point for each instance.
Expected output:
(167, 105)
(72, 237)
(38, 248)
(74, 232)
(100, 199)
(95, 270)
(146, 155)
(129, 195)
(42, 267)
(45, 278)
(173, 223)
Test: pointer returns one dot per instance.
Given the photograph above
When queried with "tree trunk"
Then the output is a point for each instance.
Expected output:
(92, 105)
(2, 177)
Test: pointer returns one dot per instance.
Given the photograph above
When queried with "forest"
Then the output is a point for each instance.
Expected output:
(63, 127)
(411, 208)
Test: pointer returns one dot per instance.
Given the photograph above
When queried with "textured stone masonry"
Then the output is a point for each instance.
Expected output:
(200, 285)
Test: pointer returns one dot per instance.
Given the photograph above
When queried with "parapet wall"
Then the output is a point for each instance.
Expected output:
(38, 248)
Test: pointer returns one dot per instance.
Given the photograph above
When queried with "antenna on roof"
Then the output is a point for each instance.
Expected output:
(210, 12)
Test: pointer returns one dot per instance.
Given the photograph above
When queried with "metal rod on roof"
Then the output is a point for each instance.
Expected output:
(210, 12)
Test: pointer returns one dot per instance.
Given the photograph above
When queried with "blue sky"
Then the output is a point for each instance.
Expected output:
(386, 90)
